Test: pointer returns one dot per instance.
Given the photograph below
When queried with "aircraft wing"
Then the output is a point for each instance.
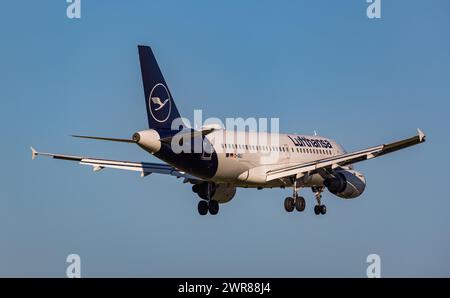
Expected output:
(145, 168)
(344, 159)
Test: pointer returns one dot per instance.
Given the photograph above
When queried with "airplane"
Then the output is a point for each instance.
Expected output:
(237, 159)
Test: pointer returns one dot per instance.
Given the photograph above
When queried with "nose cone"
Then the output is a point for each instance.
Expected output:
(148, 140)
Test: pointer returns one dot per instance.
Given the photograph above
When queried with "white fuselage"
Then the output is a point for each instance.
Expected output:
(244, 158)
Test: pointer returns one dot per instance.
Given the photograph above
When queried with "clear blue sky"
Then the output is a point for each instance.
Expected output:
(360, 81)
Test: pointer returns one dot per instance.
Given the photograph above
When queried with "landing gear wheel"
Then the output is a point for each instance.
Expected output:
(317, 209)
(320, 209)
(213, 207)
(202, 207)
(300, 204)
(289, 204)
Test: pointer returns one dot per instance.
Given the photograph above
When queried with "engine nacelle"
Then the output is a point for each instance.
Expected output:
(347, 184)
(220, 192)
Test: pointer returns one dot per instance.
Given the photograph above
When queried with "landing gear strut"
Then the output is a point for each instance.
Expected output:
(294, 202)
(319, 208)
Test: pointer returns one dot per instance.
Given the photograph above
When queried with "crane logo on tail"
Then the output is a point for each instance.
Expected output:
(159, 103)
(157, 100)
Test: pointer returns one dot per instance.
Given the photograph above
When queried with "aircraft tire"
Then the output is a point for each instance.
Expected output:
(213, 207)
(202, 207)
(300, 204)
(289, 204)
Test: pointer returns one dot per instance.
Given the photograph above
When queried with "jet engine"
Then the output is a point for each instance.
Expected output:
(347, 184)
(219, 192)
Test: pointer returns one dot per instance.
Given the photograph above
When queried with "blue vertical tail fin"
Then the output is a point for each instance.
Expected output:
(161, 109)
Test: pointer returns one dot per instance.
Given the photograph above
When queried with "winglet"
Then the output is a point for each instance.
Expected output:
(34, 153)
(422, 136)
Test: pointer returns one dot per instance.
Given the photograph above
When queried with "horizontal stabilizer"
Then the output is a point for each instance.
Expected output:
(105, 139)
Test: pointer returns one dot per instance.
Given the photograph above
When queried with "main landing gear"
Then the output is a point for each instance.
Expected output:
(204, 206)
(295, 202)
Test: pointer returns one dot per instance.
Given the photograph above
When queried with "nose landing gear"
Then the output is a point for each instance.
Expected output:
(319, 208)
